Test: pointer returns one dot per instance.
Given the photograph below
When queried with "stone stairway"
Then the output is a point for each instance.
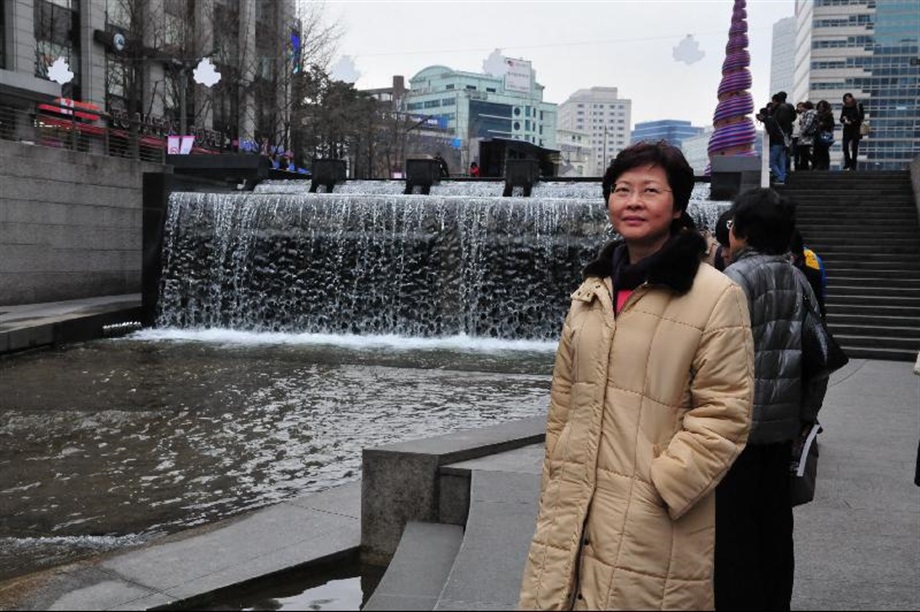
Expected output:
(864, 226)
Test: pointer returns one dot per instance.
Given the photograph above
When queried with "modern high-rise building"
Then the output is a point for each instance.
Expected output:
(478, 106)
(134, 61)
(870, 48)
(782, 58)
(673, 131)
(604, 115)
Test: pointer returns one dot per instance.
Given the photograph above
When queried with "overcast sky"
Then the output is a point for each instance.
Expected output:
(627, 44)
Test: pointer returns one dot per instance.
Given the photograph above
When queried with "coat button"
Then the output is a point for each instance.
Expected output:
(579, 596)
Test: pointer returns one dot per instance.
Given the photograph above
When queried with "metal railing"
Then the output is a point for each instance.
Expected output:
(74, 134)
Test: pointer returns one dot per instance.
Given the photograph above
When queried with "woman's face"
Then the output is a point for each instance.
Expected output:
(848, 100)
(641, 208)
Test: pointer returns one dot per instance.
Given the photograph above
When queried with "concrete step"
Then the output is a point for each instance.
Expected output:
(834, 216)
(866, 264)
(856, 223)
(843, 270)
(840, 280)
(840, 290)
(502, 519)
(902, 247)
(886, 342)
(884, 354)
(844, 321)
(879, 299)
(873, 309)
(416, 575)
(816, 234)
(879, 331)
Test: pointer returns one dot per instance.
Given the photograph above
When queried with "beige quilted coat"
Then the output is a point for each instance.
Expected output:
(648, 410)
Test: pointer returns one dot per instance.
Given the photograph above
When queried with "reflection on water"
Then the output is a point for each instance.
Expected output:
(347, 585)
(114, 442)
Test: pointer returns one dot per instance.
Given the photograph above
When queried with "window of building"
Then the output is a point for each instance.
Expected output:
(517, 111)
(517, 126)
(449, 86)
(490, 89)
(471, 88)
(57, 31)
(432, 103)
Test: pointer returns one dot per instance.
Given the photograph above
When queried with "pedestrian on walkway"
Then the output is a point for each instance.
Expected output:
(754, 558)
(821, 157)
(642, 422)
(778, 145)
(851, 116)
(808, 129)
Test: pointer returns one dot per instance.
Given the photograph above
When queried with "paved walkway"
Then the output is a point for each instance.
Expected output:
(36, 325)
(857, 544)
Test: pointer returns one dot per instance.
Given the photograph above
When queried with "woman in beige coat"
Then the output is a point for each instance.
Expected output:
(650, 404)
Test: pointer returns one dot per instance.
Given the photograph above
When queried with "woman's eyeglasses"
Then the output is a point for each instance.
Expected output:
(648, 193)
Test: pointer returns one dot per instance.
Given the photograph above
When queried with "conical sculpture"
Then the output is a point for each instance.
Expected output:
(734, 132)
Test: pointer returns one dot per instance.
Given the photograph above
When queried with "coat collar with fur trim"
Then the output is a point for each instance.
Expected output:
(676, 269)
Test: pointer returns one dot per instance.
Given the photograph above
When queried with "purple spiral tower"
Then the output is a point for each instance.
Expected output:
(734, 132)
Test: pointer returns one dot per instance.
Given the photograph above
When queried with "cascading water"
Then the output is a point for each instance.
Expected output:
(369, 261)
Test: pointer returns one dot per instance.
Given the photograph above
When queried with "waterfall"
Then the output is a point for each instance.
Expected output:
(370, 261)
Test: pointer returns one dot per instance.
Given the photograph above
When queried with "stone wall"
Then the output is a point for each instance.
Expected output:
(70, 224)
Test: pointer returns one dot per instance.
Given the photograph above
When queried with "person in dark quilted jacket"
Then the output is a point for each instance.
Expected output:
(754, 556)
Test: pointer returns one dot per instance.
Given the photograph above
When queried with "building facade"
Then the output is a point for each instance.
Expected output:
(600, 112)
(576, 153)
(673, 131)
(475, 106)
(782, 57)
(133, 61)
(869, 48)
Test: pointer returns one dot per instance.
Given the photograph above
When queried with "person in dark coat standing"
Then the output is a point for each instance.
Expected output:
(442, 165)
(820, 152)
(778, 147)
(754, 553)
(851, 116)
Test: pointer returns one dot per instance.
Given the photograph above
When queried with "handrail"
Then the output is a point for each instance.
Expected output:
(71, 133)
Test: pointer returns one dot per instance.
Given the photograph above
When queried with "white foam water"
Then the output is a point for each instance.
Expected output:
(459, 343)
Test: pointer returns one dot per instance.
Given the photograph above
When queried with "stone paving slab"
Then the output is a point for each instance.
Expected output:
(197, 562)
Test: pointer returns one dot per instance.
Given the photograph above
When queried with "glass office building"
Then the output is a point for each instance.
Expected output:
(870, 48)
(671, 130)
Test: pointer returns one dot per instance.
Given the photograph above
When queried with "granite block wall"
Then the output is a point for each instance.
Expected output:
(70, 224)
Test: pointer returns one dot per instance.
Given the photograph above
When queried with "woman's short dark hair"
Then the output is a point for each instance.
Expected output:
(765, 219)
(668, 157)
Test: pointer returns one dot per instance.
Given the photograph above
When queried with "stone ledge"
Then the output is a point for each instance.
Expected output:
(400, 482)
